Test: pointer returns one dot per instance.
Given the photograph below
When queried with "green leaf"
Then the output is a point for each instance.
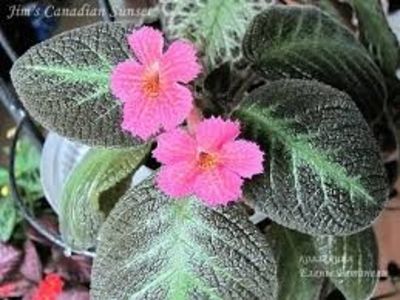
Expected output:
(155, 247)
(305, 43)
(342, 11)
(27, 163)
(3, 177)
(64, 83)
(28, 158)
(324, 173)
(304, 263)
(351, 263)
(92, 190)
(376, 35)
(295, 255)
(8, 218)
(217, 27)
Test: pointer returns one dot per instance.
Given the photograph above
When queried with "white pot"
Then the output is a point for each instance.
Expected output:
(59, 157)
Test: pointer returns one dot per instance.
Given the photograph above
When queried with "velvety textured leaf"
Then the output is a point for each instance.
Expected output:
(295, 255)
(217, 83)
(31, 266)
(8, 218)
(376, 35)
(64, 83)
(352, 262)
(305, 262)
(337, 9)
(155, 247)
(9, 259)
(83, 208)
(324, 171)
(216, 26)
(306, 43)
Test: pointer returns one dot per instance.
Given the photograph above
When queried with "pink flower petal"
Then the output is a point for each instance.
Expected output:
(125, 79)
(242, 157)
(147, 44)
(138, 118)
(174, 147)
(145, 117)
(218, 186)
(180, 62)
(212, 133)
(175, 104)
(177, 180)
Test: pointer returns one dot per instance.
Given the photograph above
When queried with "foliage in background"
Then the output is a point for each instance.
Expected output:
(24, 268)
(27, 176)
(26, 258)
(324, 176)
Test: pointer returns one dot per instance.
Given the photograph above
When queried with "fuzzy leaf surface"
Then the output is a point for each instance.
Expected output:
(293, 251)
(305, 262)
(376, 35)
(324, 174)
(305, 43)
(64, 83)
(155, 247)
(352, 262)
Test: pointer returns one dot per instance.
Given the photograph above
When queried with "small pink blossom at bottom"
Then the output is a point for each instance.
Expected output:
(210, 163)
(152, 86)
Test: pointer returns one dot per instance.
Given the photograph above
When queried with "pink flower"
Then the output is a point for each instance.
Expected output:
(151, 87)
(210, 163)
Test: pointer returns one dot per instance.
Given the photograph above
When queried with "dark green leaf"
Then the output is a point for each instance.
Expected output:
(351, 263)
(337, 9)
(304, 263)
(217, 83)
(296, 258)
(64, 83)
(303, 42)
(92, 189)
(155, 247)
(376, 35)
(324, 174)
(216, 26)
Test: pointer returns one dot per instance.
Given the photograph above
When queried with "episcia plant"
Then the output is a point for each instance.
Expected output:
(237, 106)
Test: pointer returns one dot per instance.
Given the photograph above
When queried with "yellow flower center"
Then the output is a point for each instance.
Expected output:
(207, 161)
(151, 81)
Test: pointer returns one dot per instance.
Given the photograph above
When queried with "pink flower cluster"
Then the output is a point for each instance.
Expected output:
(209, 161)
